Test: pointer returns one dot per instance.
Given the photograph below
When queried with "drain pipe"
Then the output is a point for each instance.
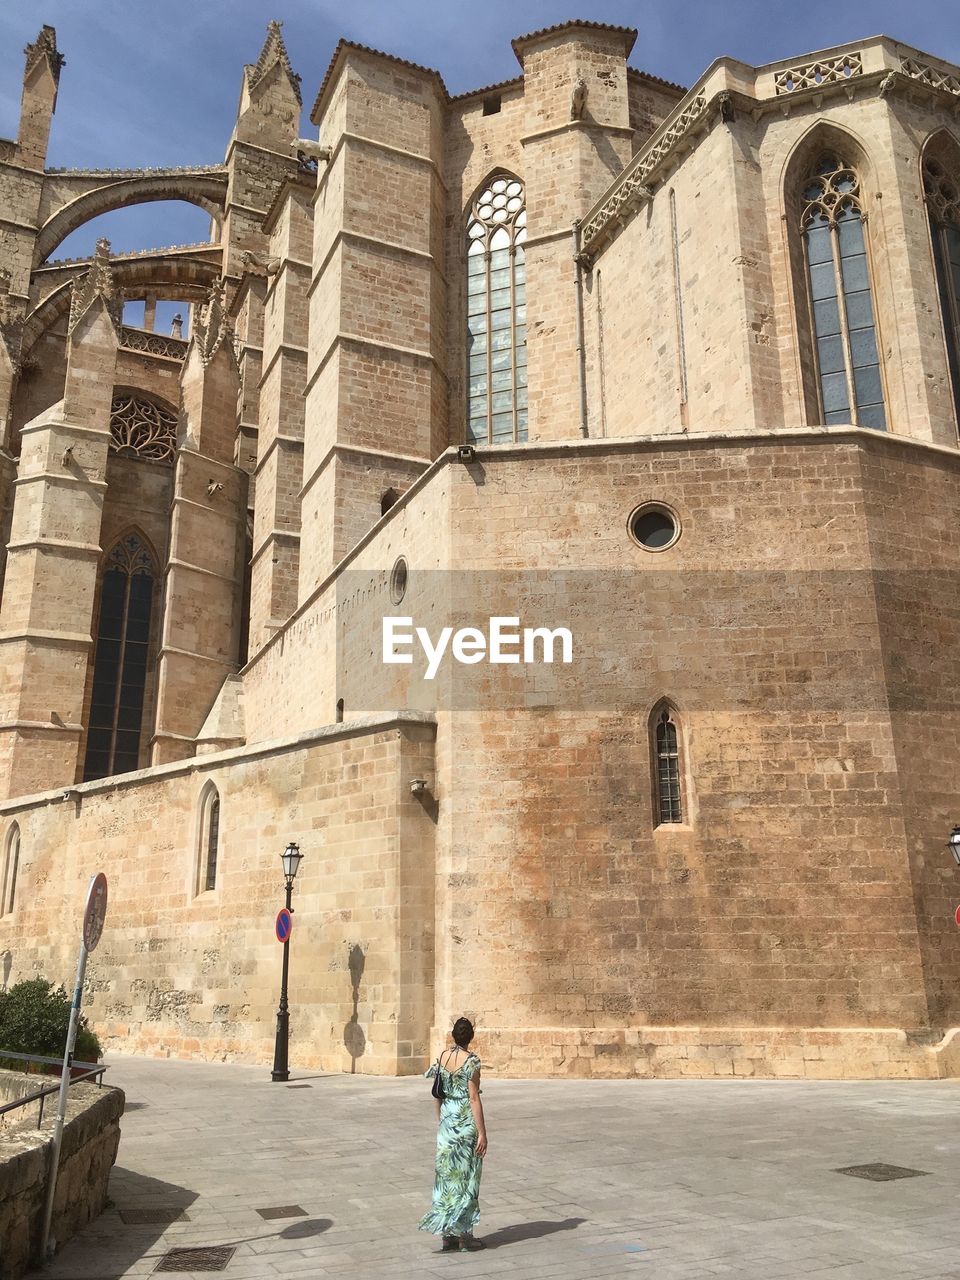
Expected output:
(581, 352)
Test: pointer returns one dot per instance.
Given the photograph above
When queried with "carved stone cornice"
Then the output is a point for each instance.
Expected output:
(930, 76)
(96, 283)
(821, 71)
(148, 343)
(633, 186)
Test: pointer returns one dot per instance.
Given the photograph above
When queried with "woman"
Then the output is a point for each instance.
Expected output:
(461, 1145)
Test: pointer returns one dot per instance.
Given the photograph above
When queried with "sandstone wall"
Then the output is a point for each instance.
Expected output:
(91, 1137)
(780, 626)
(696, 314)
(198, 974)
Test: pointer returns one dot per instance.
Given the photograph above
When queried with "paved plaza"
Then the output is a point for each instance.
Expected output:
(663, 1179)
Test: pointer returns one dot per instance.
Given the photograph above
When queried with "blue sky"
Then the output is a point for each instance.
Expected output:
(157, 83)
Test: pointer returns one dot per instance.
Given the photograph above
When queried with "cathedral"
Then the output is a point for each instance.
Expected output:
(540, 514)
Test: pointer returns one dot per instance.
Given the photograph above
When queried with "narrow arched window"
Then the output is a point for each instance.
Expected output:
(497, 314)
(339, 711)
(838, 273)
(666, 751)
(942, 194)
(11, 865)
(209, 840)
(120, 660)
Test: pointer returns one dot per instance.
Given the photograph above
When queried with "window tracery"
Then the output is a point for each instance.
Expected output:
(120, 660)
(142, 427)
(942, 195)
(497, 314)
(838, 274)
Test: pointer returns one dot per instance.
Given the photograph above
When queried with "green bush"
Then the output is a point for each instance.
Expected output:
(35, 1017)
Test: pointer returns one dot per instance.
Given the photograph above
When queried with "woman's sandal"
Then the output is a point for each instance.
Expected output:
(468, 1244)
(450, 1244)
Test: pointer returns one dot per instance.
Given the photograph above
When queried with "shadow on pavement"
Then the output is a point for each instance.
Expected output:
(300, 1230)
(117, 1243)
(529, 1231)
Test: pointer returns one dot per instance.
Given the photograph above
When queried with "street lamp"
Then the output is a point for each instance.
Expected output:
(290, 859)
(953, 844)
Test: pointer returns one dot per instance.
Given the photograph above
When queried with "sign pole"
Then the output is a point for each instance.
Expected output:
(93, 917)
(62, 1103)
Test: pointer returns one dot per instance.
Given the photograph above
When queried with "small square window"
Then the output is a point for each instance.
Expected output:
(491, 104)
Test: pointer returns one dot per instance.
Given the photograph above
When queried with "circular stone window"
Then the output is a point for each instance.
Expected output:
(654, 526)
(398, 581)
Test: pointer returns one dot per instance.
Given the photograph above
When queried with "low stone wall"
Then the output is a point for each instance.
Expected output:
(91, 1136)
(13, 1086)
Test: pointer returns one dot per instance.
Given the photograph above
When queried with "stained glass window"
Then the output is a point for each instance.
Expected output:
(942, 195)
(120, 660)
(669, 804)
(497, 314)
(844, 330)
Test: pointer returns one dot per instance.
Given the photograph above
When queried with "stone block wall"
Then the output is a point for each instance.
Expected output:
(196, 974)
(697, 308)
(906, 495)
(772, 627)
(91, 1136)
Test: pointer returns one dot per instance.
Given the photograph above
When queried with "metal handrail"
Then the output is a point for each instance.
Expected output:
(92, 1069)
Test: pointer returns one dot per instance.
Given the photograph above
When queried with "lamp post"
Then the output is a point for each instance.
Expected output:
(953, 844)
(290, 859)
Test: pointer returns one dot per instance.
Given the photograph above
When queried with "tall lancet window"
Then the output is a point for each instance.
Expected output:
(844, 330)
(942, 195)
(120, 661)
(666, 750)
(497, 314)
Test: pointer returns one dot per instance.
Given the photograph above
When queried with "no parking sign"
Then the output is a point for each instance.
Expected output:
(284, 924)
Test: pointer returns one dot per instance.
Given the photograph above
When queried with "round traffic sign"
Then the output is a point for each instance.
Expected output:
(95, 911)
(284, 924)
(956, 916)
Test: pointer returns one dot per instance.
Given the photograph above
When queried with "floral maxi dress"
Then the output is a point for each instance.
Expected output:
(456, 1188)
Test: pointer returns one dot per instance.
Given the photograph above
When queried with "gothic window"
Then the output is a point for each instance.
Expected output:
(11, 865)
(838, 274)
(942, 195)
(666, 753)
(497, 314)
(141, 428)
(120, 660)
(209, 839)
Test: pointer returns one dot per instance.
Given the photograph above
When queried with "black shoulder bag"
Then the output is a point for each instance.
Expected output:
(437, 1089)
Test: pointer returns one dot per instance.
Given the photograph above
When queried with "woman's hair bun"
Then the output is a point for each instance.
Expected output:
(463, 1032)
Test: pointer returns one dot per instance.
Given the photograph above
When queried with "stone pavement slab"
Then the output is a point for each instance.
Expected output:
(663, 1180)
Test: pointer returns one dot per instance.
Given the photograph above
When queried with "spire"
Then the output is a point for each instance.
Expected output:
(210, 325)
(45, 46)
(96, 283)
(273, 51)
